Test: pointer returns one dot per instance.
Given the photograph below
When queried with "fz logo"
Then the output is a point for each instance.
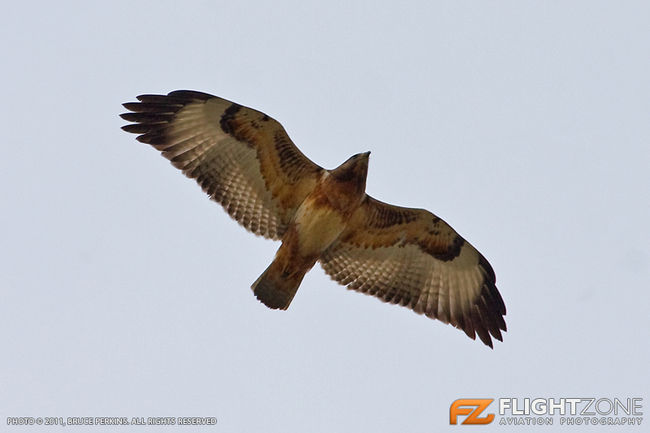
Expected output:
(471, 408)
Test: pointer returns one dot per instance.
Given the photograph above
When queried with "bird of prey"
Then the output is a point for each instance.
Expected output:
(245, 160)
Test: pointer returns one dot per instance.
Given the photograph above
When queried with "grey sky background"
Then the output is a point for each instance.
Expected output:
(125, 291)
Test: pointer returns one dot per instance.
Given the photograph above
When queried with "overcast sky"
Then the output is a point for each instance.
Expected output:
(124, 291)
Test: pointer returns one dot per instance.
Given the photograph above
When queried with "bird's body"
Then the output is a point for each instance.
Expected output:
(245, 160)
(318, 222)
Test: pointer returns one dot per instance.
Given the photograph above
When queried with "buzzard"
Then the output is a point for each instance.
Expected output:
(244, 160)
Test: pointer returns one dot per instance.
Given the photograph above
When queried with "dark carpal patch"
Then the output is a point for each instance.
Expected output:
(228, 117)
(445, 254)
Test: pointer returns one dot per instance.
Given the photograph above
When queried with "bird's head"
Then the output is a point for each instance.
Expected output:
(351, 177)
(354, 169)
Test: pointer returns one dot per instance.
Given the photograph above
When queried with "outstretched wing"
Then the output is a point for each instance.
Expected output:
(411, 257)
(241, 157)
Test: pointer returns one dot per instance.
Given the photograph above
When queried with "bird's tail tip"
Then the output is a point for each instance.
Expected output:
(275, 289)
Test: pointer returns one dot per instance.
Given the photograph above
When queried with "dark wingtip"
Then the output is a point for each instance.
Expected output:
(190, 94)
(129, 105)
(485, 337)
(488, 342)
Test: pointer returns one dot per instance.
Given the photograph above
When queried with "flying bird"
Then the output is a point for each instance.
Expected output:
(245, 160)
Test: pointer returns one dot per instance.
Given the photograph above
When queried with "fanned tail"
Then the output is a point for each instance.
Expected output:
(276, 287)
